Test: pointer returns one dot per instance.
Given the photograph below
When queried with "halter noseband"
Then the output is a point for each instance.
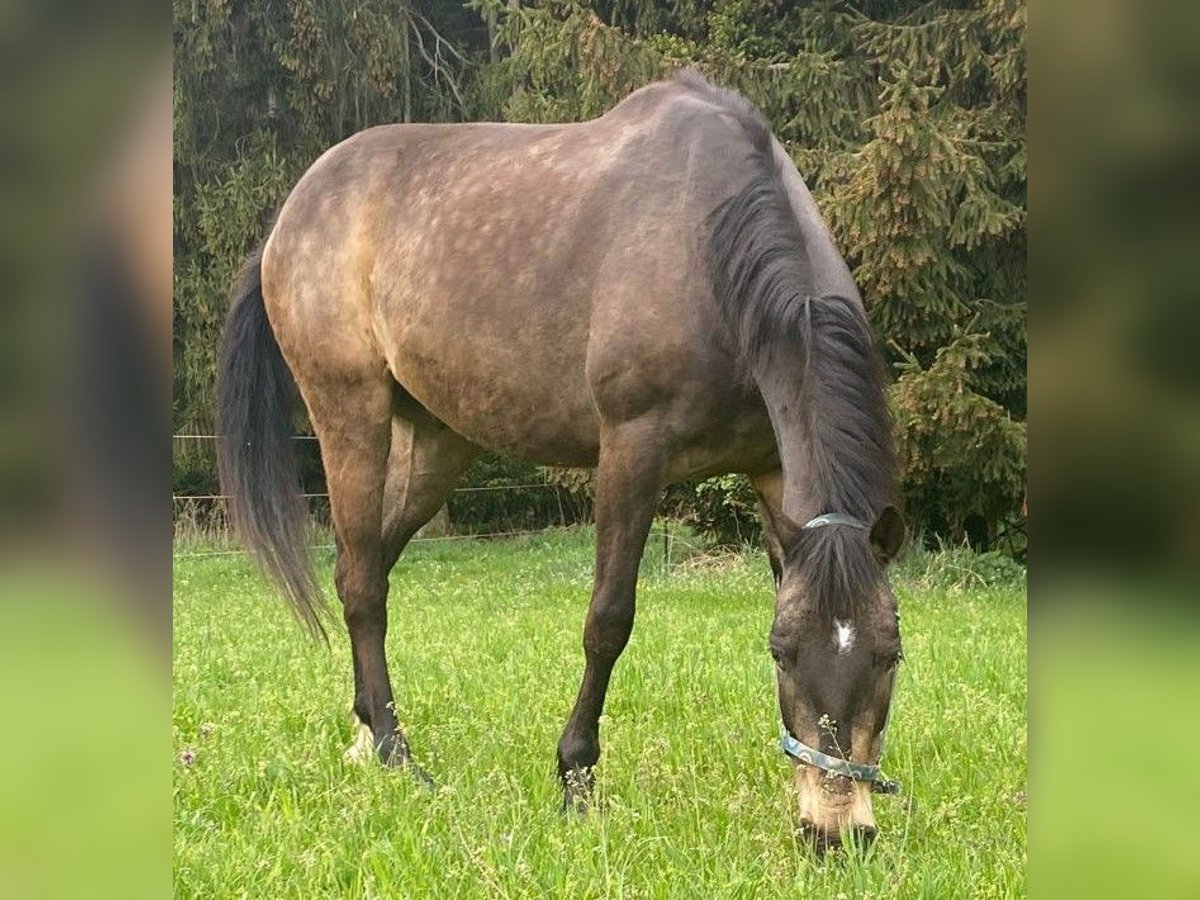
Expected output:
(835, 765)
(810, 756)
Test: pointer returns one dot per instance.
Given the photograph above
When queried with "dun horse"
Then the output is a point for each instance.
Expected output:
(652, 293)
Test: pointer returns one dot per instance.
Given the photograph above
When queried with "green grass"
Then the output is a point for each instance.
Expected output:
(484, 648)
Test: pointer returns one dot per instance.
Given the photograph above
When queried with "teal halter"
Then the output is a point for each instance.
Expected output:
(835, 765)
(833, 519)
(810, 756)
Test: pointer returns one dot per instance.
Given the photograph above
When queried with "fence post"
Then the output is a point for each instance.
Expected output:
(666, 535)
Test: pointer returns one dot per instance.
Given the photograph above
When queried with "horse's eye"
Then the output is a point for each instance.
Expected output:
(891, 660)
(777, 654)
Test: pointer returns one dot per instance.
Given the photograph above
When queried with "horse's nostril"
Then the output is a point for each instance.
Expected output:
(823, 840)
(864, 835)
(819, 839)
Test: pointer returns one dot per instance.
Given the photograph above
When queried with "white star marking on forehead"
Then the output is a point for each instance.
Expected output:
(843, 636)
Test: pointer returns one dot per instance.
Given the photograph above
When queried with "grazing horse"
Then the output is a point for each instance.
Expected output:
(652, 293)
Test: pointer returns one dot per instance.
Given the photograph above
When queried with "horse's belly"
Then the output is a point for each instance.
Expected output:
(506, 398)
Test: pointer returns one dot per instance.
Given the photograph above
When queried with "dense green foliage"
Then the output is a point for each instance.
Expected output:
(484, 648)
(906, 119)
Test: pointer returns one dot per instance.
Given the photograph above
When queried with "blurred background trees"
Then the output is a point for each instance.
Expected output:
(906, 119)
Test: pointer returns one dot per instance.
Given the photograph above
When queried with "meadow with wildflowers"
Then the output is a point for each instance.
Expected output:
(695, 799)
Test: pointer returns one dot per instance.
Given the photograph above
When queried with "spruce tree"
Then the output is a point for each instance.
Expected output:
(906, 119)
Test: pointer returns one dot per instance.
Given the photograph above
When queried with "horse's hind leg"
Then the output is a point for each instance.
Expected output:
(628, 483)
(352, 418)
(427, 460)
(424, 465)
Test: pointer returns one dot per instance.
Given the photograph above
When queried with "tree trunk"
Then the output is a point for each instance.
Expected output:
(406, 93)
(493, 50)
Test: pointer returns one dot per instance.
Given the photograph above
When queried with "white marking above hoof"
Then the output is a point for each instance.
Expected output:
(362, 750)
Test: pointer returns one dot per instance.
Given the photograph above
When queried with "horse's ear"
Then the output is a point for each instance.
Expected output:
(887, 534)
(779, 533)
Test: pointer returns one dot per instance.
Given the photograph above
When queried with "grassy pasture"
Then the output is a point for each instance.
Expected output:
(484, 647)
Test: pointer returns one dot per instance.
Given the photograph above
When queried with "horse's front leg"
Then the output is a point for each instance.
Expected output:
(628, 483)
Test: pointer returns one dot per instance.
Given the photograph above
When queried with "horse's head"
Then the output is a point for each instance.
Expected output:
(836, 644)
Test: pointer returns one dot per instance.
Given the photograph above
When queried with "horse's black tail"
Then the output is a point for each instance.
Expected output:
(256, 400)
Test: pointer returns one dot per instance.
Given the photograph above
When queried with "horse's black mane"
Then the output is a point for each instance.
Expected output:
(762, 282)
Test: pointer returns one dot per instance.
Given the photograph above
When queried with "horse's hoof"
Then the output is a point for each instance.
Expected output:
(577, 791)
(393, 751)
(421, 777)
(575, 805)
(395, 754)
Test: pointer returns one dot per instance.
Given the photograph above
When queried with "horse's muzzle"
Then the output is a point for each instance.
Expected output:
(834, 810)
(822, 840)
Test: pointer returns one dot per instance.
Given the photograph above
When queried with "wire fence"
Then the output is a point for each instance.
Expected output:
(201, 518)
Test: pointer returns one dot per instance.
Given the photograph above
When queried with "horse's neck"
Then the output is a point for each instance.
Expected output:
(803, 494)
(828, 271)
